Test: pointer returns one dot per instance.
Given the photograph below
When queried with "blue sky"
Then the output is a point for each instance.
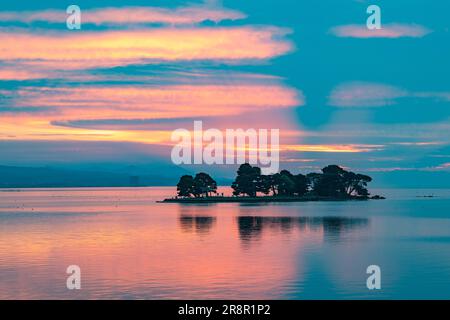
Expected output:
(385, 96)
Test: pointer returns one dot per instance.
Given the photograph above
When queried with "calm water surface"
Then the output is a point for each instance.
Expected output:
(129, 247)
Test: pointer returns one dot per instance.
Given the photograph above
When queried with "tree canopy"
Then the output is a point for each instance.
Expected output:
(248, 181)
(202, 184)
(333, 181)
(185, 187)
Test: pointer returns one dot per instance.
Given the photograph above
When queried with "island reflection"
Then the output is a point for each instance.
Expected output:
(199, 224)
(251, 227)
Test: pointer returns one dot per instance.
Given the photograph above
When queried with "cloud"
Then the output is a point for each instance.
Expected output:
(444, 166)
(129, 82)
(390, 169)
(441, 167)
(369, 94)
(434, 95)
(75, 51)
(393, 30)
(17, 74)
(419, 144)
(337, 148)
(28, 54)
(122, 101)
(267, 119)
(129, 15)
(119, 112)
(364, 94)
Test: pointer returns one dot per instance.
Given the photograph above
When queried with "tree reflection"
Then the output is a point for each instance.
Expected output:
(197, 224)
(251, 227)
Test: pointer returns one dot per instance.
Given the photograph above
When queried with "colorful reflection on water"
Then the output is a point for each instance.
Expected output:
(130, 247)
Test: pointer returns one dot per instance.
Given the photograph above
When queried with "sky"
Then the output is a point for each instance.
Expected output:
(110, 95)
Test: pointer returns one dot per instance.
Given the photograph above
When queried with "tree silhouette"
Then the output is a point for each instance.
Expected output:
(331, 182)
(264, 184)
(204, 184)
(248, 181)
(313, 180)
(337, 182)
(334, 181)
(356, 183)
(284, 183)
(301, 184)
(185, 187)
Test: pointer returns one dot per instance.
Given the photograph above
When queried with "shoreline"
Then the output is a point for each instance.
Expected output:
(265, 199)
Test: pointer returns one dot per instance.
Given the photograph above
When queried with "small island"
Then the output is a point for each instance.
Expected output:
(332, 184)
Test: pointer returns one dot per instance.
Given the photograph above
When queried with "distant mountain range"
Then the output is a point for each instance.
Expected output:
(163, 175)
(46, 177)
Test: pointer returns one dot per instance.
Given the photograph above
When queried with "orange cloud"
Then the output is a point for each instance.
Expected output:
(69, 50)
(39, 113)
(117, 102)
(33, 112)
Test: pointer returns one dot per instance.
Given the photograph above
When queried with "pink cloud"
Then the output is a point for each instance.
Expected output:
(117, 102)
(336, 148)
(130, 15)
(17, 74)
(364, 94)
(368, 94)
(74, 51)
(393, 30)
(444, 166)
(37, 113)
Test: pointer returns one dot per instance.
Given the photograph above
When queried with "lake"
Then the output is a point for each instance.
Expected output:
(130, 247)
